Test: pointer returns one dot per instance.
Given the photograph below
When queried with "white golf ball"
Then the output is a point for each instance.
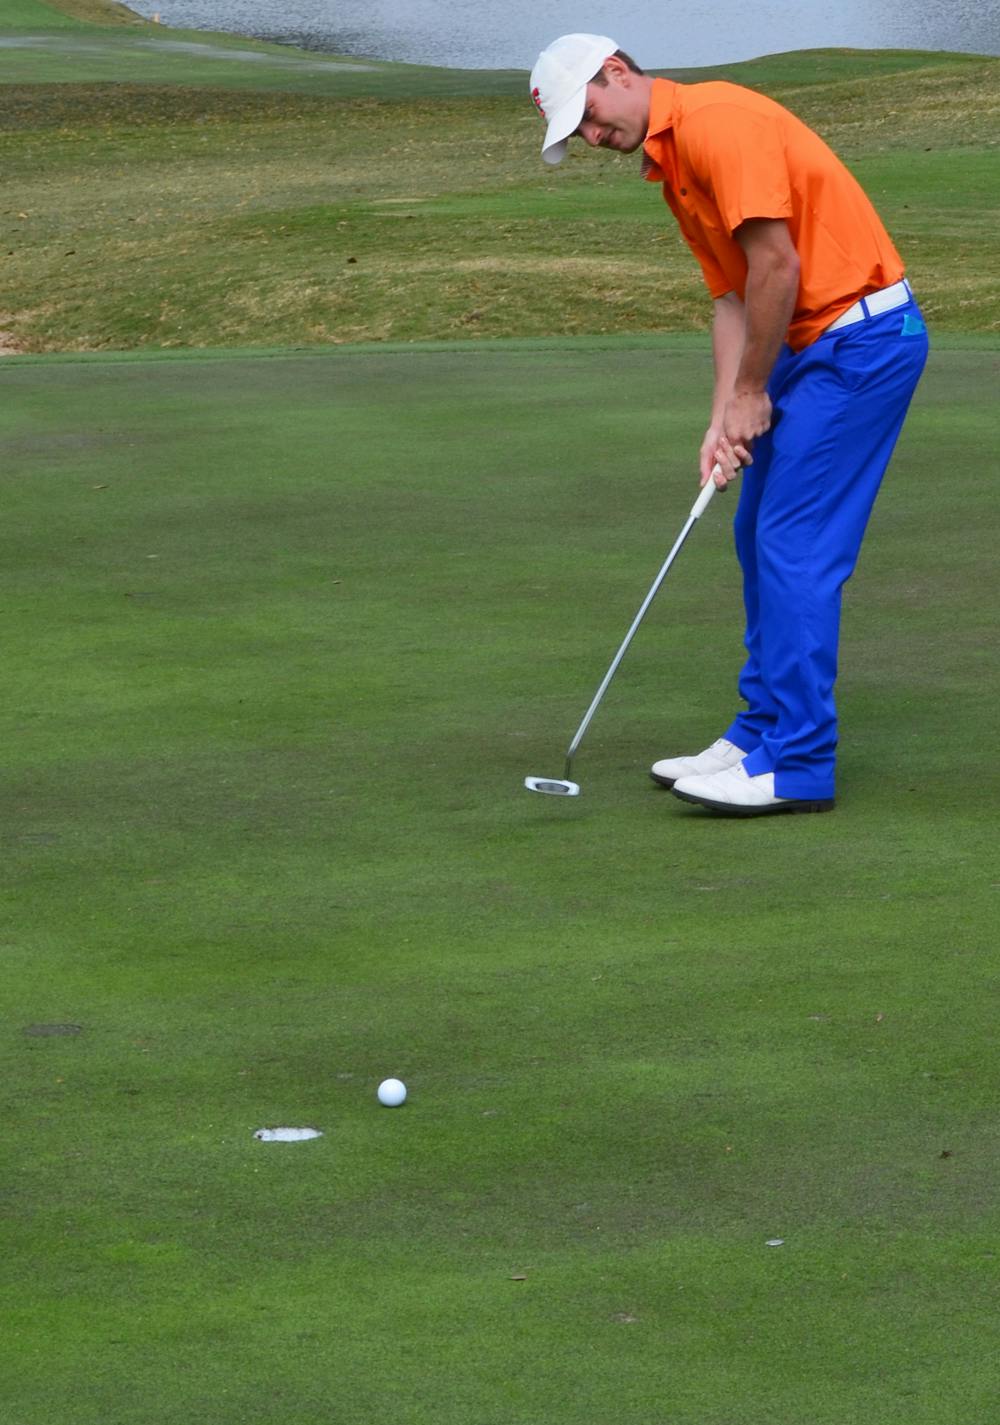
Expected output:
(392, 1092)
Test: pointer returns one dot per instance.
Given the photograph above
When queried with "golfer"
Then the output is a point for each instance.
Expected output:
(818, 346)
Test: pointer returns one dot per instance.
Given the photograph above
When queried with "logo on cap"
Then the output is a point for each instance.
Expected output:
(536, 95)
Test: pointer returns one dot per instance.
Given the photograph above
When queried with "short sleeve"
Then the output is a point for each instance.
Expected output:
(739, 158)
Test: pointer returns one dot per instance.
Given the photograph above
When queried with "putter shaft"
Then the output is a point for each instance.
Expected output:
(697, 510)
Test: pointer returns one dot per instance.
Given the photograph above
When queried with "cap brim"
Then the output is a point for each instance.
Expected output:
(563, 125)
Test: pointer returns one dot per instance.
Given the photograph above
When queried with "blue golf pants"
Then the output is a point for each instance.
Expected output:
(838, 407)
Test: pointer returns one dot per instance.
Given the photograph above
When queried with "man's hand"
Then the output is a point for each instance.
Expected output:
(729, 444)
(747, 416)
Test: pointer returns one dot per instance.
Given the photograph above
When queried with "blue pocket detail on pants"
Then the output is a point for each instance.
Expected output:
(913, 325)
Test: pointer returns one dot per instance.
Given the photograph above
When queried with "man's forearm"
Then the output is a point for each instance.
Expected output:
(766, 311)
(771, 291)
(728, 336)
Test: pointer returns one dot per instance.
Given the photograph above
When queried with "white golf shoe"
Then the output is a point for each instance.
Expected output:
(717, 758)
(735, 793)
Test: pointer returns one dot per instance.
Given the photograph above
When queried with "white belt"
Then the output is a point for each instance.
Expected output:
(874, 305)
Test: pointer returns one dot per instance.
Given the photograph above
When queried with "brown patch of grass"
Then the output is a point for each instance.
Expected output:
(98, 12)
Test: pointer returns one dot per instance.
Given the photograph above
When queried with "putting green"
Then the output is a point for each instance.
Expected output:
(283, 636)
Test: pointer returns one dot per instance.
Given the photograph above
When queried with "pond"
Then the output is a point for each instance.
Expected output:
(473, 34)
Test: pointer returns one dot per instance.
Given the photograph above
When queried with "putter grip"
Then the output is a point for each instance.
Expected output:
(702, 502)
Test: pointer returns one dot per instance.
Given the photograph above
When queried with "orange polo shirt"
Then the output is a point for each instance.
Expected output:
(725, 154)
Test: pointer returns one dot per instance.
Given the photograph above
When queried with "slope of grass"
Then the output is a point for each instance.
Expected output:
(403, 203)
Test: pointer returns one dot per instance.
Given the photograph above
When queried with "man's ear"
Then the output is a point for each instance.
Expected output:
(617, 71)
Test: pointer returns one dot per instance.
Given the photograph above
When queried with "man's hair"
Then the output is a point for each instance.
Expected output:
(626, 59)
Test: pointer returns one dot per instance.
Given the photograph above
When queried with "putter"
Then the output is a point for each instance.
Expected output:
(564, 786)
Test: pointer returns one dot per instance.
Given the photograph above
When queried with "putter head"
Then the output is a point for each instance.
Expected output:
(552, 786)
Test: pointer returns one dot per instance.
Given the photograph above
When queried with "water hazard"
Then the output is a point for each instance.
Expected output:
(474, 34)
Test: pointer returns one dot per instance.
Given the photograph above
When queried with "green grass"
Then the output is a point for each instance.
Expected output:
(173, 190)
(284, 635)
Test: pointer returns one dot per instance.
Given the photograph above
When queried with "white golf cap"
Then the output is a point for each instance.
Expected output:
(559, 86)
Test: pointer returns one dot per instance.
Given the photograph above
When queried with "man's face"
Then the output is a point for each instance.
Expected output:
(616, 115)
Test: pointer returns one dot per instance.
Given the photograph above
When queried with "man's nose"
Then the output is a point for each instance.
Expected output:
(591, 133)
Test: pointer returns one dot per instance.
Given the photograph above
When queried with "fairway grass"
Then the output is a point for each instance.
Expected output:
(283, 637)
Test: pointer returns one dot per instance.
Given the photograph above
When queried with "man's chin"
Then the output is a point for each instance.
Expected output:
(618, 144)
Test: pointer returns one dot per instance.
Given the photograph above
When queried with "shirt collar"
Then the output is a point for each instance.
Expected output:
(663, 105)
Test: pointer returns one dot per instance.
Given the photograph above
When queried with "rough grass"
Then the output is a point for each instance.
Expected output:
(152, 215)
